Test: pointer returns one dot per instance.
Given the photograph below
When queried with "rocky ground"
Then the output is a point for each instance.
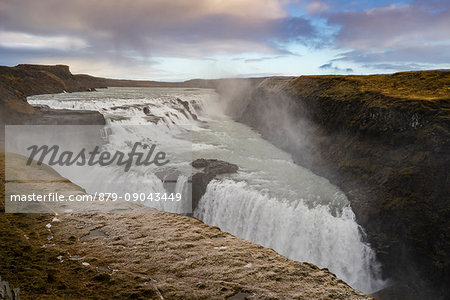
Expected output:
(142, 253)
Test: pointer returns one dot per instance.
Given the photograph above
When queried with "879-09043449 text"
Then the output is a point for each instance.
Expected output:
(101, 197)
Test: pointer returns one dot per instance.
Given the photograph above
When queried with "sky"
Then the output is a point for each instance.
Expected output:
(184, 39)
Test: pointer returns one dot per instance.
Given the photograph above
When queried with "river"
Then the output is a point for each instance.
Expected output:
(270, 200)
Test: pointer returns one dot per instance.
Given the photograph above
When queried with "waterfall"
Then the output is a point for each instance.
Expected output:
(271, 200)
(293, 229)
(132, 116)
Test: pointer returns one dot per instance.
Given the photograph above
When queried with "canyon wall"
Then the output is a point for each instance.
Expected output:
(384, 140)
(17, 83)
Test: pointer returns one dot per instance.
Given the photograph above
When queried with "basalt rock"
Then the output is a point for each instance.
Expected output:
(6, 293)
(211, 168)
(187, 109)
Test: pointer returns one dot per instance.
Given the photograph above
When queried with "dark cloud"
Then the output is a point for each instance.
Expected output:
(415, 33)
(178, 28)
(335, 69)
(326, 66)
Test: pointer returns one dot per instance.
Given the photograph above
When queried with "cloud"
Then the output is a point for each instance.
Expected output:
(259, 59)
(315, 7)
(331, 67)
(160, 29)
(367, 34)
(180, 28)
(393, 26)
(414, 33)
(425, 54)
(398, 67)
(9, 39)
(326, 66)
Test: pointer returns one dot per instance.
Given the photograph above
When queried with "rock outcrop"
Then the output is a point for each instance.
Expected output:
(210, 168)
(384, 140)
(17, 83)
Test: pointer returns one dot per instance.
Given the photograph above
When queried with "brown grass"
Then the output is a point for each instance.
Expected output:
(425, 85)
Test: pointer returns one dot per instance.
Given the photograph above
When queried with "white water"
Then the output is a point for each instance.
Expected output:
(270, 200)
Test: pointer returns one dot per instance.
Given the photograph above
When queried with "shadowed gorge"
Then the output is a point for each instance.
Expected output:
(384, 140)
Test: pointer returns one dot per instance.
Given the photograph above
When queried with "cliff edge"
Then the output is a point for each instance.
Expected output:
(384, 140)
(17, 83)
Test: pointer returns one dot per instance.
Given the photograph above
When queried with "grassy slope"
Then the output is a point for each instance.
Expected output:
(24, 263)
(426, 85)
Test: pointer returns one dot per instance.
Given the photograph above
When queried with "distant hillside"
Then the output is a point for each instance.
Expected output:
(17, 83)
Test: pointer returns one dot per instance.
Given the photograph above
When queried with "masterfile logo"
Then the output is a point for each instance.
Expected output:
(98, 157)
(111, 168)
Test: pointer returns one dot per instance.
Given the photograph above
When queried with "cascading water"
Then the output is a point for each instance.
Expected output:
(156, 117)
(292, 229)
(271, 200)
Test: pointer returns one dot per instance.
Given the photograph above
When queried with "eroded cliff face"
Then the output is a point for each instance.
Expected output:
(17, 83)
(383, 139)
(43, 79)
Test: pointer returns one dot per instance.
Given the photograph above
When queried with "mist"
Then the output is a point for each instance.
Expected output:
(284, 122)
(313, 133)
